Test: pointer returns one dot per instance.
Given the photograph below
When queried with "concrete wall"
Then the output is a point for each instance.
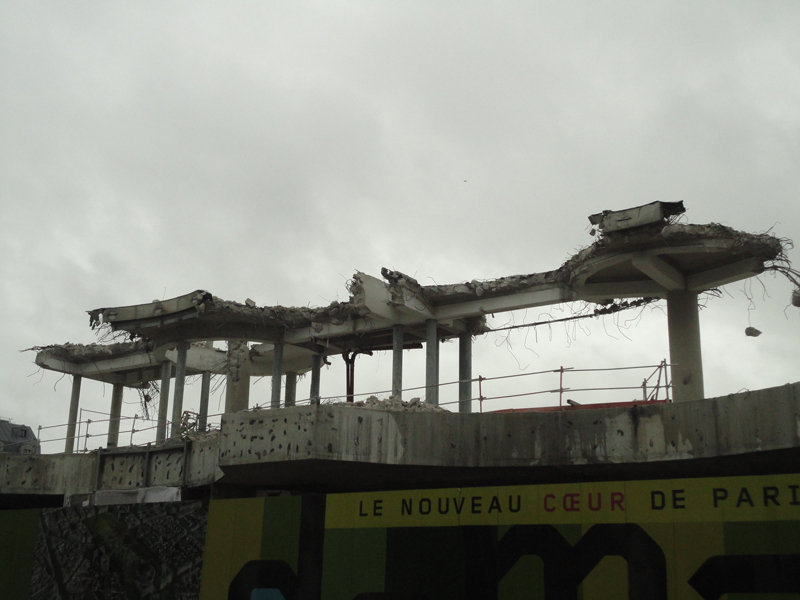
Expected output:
(46, 474)
(737, 424)
(273, 448)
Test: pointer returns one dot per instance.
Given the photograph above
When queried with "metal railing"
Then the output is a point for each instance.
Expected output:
(91, 433)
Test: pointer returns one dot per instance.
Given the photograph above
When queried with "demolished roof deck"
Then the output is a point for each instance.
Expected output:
(651, 258)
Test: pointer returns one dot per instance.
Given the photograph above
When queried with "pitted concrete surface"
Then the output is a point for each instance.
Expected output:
(330, 447)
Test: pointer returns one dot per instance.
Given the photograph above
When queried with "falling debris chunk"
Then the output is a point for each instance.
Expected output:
(752, 332)
(796, 298)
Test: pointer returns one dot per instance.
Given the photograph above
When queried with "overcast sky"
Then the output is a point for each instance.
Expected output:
(267, 150)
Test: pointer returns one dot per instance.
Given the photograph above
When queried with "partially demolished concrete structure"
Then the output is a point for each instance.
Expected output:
(646, 252)
(307, 499)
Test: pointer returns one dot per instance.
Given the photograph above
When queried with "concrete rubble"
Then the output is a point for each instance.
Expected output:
(394, 403)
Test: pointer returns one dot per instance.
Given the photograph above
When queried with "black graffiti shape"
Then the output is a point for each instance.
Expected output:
(548, 544)
(747, 574)
(260, 574)
(565, 567)
(647, 565)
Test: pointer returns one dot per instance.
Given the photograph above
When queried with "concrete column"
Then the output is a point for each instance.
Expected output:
(277, 372)
(180, 383)
(291, 389)
(465, 372)
(431, 362)
(74, 400)
(397, 360)
(237, 390)
(205, 391)
(163, 401)
(116, 413)
(683, 322)
(316, 368)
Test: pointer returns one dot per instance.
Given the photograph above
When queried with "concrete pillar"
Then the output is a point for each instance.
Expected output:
(72, 421)
(163, 401)
(465, 372)
(397, 360)
(291, 389)
(277, 372)
(683, 322)
(205, 391)
(116, 413)
(180, 383)
(316, 368)
(431, 362)
(237, 389)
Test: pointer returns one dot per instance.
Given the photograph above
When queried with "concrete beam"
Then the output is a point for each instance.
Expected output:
(593, 292)
(659, 271)
(724, 275)
(114, 370)
(537, 296)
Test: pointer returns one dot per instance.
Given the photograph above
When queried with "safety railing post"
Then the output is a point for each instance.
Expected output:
(644, 390)
(480, 392)
(561, 386)
(133, 428)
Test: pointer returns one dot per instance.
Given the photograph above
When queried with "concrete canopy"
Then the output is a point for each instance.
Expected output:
(645, 253)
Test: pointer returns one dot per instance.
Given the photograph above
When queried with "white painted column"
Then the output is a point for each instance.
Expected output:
(685, 354)
(116, 413)
(180, 384)
(74, 401)
(163, 401)
(397, 360)
(277, 373)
